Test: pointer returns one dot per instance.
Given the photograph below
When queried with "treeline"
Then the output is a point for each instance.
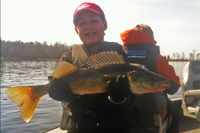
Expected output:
(177, 56)
(36, 50)
(32, 50)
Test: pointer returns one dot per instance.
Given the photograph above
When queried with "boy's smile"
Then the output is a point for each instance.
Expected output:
(90, 34)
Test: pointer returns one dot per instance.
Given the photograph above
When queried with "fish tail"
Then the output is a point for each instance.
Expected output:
(25, 98)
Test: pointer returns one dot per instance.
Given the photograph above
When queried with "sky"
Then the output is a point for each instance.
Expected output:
(176, 23)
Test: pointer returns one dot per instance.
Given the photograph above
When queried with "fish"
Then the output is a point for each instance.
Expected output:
(89, 78)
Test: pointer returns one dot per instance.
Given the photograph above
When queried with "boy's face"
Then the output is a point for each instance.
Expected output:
(90, 28)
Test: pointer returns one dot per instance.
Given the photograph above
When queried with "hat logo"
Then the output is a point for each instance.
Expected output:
(83, 6)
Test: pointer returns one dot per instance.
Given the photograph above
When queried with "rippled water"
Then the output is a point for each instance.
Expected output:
(48, 113)
(21, 73)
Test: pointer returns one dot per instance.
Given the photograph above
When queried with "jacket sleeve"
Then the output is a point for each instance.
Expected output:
(67, 56)
(162, 66)
(58, 88)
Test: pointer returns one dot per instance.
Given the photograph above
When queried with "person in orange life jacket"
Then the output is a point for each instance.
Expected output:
(140, 46)
(112, 111)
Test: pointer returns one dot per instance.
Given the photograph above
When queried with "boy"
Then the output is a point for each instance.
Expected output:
(94, 112)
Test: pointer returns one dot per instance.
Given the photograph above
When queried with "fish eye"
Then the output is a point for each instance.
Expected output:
(84, 67)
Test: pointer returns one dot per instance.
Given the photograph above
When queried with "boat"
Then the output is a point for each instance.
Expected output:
(190, 85)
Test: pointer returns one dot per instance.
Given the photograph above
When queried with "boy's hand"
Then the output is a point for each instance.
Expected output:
(118, 91)
(60, 91)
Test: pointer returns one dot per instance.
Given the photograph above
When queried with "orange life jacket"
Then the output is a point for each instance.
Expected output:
(151, 58)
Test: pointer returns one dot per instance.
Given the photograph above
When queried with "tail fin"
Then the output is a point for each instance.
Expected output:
(24, 97)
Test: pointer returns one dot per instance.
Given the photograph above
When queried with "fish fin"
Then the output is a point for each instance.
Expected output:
(24, 97)
(64, 68)
(104, 58)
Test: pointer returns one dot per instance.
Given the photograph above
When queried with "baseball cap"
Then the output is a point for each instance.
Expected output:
(145, 28)
(87, 6)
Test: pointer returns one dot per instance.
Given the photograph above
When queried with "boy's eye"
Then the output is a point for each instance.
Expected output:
(94, 21)
(81, 23)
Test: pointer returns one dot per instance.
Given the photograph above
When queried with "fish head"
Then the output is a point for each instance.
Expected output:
(141, 82)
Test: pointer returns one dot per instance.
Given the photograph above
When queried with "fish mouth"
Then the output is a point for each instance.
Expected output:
(162, 85)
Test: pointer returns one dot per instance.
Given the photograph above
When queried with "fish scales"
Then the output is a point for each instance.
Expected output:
(91, 81)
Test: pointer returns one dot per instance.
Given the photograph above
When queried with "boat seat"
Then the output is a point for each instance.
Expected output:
(190, 86)
(151, 107)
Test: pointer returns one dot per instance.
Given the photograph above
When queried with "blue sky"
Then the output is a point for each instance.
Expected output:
(176, 23)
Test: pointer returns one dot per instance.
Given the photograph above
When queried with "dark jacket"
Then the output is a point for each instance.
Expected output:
(91, 112)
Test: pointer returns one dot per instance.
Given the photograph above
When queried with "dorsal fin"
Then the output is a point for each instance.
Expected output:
(104, 58)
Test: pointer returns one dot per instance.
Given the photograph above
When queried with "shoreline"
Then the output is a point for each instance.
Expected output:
(37, 59)
(44, 59)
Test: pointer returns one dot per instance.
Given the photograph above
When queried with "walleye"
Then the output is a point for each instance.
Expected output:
(91, 78)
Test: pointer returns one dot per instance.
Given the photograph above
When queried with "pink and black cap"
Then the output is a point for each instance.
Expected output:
(87, 6)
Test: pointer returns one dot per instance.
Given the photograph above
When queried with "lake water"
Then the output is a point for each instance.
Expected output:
(48, 112)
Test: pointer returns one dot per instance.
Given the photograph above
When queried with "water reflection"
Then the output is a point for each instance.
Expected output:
(21, 73)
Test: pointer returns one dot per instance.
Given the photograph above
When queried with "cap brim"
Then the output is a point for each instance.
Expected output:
(78, 12)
